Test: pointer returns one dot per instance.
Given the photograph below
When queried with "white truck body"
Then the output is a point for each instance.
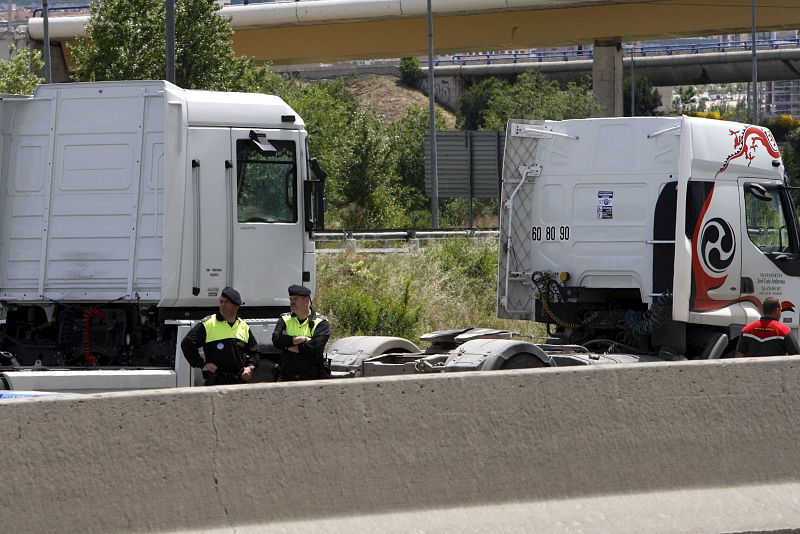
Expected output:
(655, 212)
(100, 200)
(126, 207)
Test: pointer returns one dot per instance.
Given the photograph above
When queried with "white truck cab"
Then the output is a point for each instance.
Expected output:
(655, 233)
(128, 206)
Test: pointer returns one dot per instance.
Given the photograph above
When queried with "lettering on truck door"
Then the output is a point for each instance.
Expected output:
(770, 248)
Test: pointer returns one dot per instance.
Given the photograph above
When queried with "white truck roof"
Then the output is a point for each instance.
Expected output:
(204, 108)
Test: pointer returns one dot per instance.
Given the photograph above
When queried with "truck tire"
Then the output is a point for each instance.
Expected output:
(523, 360)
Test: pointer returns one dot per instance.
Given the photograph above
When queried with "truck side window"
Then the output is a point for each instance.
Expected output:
(266, 184)
(766, 225)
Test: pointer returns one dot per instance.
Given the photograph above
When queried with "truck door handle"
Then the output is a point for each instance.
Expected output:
(747, 285)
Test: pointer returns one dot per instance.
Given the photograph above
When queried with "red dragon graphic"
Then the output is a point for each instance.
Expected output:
(745, 143)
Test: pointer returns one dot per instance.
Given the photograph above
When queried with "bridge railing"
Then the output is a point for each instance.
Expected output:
(63, 10)
(637, 51)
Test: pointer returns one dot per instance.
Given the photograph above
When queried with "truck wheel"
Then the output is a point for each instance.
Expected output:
(523, 360)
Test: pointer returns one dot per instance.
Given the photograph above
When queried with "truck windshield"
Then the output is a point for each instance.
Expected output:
(767, 225)
(266, 184)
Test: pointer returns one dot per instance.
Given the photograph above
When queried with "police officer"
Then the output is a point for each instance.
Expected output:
(228, 344)
(301, 335)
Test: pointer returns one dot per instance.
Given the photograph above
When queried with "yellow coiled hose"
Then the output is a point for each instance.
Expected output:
(544, 282)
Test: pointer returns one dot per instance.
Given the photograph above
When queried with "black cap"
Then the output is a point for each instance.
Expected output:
(232, 295)
(299, 291)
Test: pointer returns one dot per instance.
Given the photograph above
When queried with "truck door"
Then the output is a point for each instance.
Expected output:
(209, 152)
(770, 250)
(267, 226)
(713, 214)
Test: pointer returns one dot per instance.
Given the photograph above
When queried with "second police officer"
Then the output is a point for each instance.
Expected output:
(301, 336)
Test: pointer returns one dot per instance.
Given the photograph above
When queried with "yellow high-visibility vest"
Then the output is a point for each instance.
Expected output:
(216, 330)
(295, 328)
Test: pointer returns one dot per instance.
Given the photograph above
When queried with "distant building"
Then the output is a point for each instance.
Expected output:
(781, 97)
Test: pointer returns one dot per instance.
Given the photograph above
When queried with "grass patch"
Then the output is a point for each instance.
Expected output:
(452, 283)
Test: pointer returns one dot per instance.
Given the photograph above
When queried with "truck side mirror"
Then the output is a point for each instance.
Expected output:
(316, 170)
(314, 197)
(758, 191)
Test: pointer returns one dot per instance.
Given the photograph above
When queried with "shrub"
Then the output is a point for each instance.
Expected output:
(399, 315)
(713, 114)
(473, 263)
(410, 72)
(361, 312)
(781, 126)
(353, 310)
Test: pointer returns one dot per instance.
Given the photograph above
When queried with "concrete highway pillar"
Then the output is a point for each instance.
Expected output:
(59, 72)
(607, 76)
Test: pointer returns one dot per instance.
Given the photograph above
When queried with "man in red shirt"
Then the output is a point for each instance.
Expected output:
(767, 336)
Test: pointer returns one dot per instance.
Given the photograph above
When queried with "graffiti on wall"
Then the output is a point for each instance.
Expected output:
(445, 91)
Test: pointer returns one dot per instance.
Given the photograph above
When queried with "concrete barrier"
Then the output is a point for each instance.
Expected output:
(679, 447)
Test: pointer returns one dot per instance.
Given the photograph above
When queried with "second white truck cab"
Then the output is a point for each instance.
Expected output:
(657, 233)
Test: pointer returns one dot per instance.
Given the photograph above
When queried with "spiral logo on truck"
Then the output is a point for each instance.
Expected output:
(717, 245)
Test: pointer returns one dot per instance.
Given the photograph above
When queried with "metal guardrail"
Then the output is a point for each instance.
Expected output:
(411, 238)
(398, 235)
(638, 51)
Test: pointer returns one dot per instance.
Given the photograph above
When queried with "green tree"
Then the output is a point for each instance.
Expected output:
(127, 41)
(368, 180)
(683, 103)
(328, 111)
(646, 97)
(535, 97)
(17, 74)
(791, 156)
(407, 137)
(475, 100)
(407, 144)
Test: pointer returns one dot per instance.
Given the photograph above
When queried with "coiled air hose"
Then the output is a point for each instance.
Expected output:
(545, 286)
(86, 330)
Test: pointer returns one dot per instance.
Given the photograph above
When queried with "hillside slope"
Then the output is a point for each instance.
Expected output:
(386, 97)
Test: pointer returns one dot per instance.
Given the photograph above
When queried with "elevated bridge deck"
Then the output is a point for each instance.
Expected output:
(335, 30)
